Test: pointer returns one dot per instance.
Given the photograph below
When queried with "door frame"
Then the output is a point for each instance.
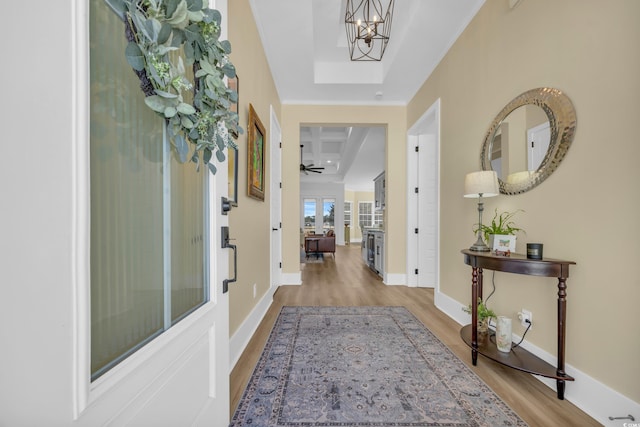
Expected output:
(275, 136)
(423, 247)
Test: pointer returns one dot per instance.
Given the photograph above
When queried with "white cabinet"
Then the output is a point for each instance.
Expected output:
(379, 191)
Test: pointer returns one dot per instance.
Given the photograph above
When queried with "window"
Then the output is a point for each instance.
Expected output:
(347, 213)
(365, 214)
(377, 218)
(309, 215)
(148, 215)
(328, 214)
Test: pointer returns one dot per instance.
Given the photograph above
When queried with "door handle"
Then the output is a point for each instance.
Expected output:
(225, 244)
(274, 229)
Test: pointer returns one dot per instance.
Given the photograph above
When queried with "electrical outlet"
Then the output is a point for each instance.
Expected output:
(255, 290)
(525, 315)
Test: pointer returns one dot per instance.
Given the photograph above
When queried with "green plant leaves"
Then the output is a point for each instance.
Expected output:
(164, 33)
(135, 57)
(171, 6)
(226, 46)
(194, 5)
(186, 109)
(161, 29)
(118, 7)
(156, 103)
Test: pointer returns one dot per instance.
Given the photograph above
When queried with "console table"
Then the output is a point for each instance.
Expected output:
(517, 358)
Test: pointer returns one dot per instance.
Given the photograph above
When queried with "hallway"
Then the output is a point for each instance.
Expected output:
(347, 281)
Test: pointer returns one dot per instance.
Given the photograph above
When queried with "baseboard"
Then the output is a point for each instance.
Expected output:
(292, 278)
(593, 397)
(238, 342)
(394, 279)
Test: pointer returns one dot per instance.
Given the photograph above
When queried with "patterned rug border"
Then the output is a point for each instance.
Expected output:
(250, 389)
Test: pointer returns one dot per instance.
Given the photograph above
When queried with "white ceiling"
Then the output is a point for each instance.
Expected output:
(350, 155)
(305, 45)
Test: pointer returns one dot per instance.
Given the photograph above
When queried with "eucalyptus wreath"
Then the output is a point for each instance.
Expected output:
(156, 31)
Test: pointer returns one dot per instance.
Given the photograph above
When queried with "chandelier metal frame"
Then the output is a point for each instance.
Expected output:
(368, 26)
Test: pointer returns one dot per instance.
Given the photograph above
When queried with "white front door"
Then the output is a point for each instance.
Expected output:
(276, 201)
(181, 376)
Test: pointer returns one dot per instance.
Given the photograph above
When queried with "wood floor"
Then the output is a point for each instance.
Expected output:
(346, 281)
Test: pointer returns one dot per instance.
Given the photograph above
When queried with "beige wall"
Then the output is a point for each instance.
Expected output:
(590, 50)
(395, 120)
(249, 221)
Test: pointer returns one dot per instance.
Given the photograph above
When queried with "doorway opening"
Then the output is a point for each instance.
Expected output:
(350, 157)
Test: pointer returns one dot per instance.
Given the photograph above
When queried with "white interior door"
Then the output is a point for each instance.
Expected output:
(423, 199)
(538, 139)
(276, 201)
(427, 209)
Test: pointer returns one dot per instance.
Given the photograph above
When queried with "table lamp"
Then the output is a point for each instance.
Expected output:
(476, 186)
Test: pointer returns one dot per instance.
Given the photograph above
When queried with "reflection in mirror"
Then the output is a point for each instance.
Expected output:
(520, 143)
(528, 139)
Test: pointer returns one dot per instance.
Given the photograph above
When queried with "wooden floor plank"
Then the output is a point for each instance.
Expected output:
(346, 281)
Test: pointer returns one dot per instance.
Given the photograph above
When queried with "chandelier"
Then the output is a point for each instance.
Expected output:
(368, 25)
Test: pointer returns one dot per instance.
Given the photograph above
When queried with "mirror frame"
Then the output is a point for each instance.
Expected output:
(562, 123)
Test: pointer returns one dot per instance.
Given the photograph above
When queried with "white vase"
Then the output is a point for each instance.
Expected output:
(503, 334)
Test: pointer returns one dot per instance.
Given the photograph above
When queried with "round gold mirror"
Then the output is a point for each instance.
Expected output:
(528, 139)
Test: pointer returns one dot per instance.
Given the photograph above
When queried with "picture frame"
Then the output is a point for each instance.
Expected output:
(256, 146)
(232, 160)
(504, 243)
(234, 84)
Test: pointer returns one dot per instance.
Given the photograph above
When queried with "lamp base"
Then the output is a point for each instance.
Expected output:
(479, 248)
(479, 245)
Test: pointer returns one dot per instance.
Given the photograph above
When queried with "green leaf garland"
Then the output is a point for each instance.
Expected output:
(156, 29)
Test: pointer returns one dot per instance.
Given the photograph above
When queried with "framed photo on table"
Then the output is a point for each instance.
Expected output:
(504, 243)
(256, 144)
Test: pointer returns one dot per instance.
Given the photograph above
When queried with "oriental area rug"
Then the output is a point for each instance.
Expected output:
(363, 366)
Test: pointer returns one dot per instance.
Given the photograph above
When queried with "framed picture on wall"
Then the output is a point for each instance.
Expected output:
(234, 84)
(256, 144)
(232, 160)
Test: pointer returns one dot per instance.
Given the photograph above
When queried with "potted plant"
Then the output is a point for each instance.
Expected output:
(501, 224)
(485, 314)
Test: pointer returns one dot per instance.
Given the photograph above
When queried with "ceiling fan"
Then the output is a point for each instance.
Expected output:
(308, 168)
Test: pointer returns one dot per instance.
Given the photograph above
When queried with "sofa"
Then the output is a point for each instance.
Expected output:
(317, 244)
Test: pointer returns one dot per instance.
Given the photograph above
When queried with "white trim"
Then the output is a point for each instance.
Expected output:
(241, 337)
(292, 278)
(394, 279)
(80, 207)
(593, 397)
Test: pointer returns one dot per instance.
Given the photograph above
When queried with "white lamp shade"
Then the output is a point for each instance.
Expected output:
(482, 183)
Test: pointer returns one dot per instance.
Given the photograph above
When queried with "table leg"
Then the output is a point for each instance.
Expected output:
(562, 327)
(476, 276)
